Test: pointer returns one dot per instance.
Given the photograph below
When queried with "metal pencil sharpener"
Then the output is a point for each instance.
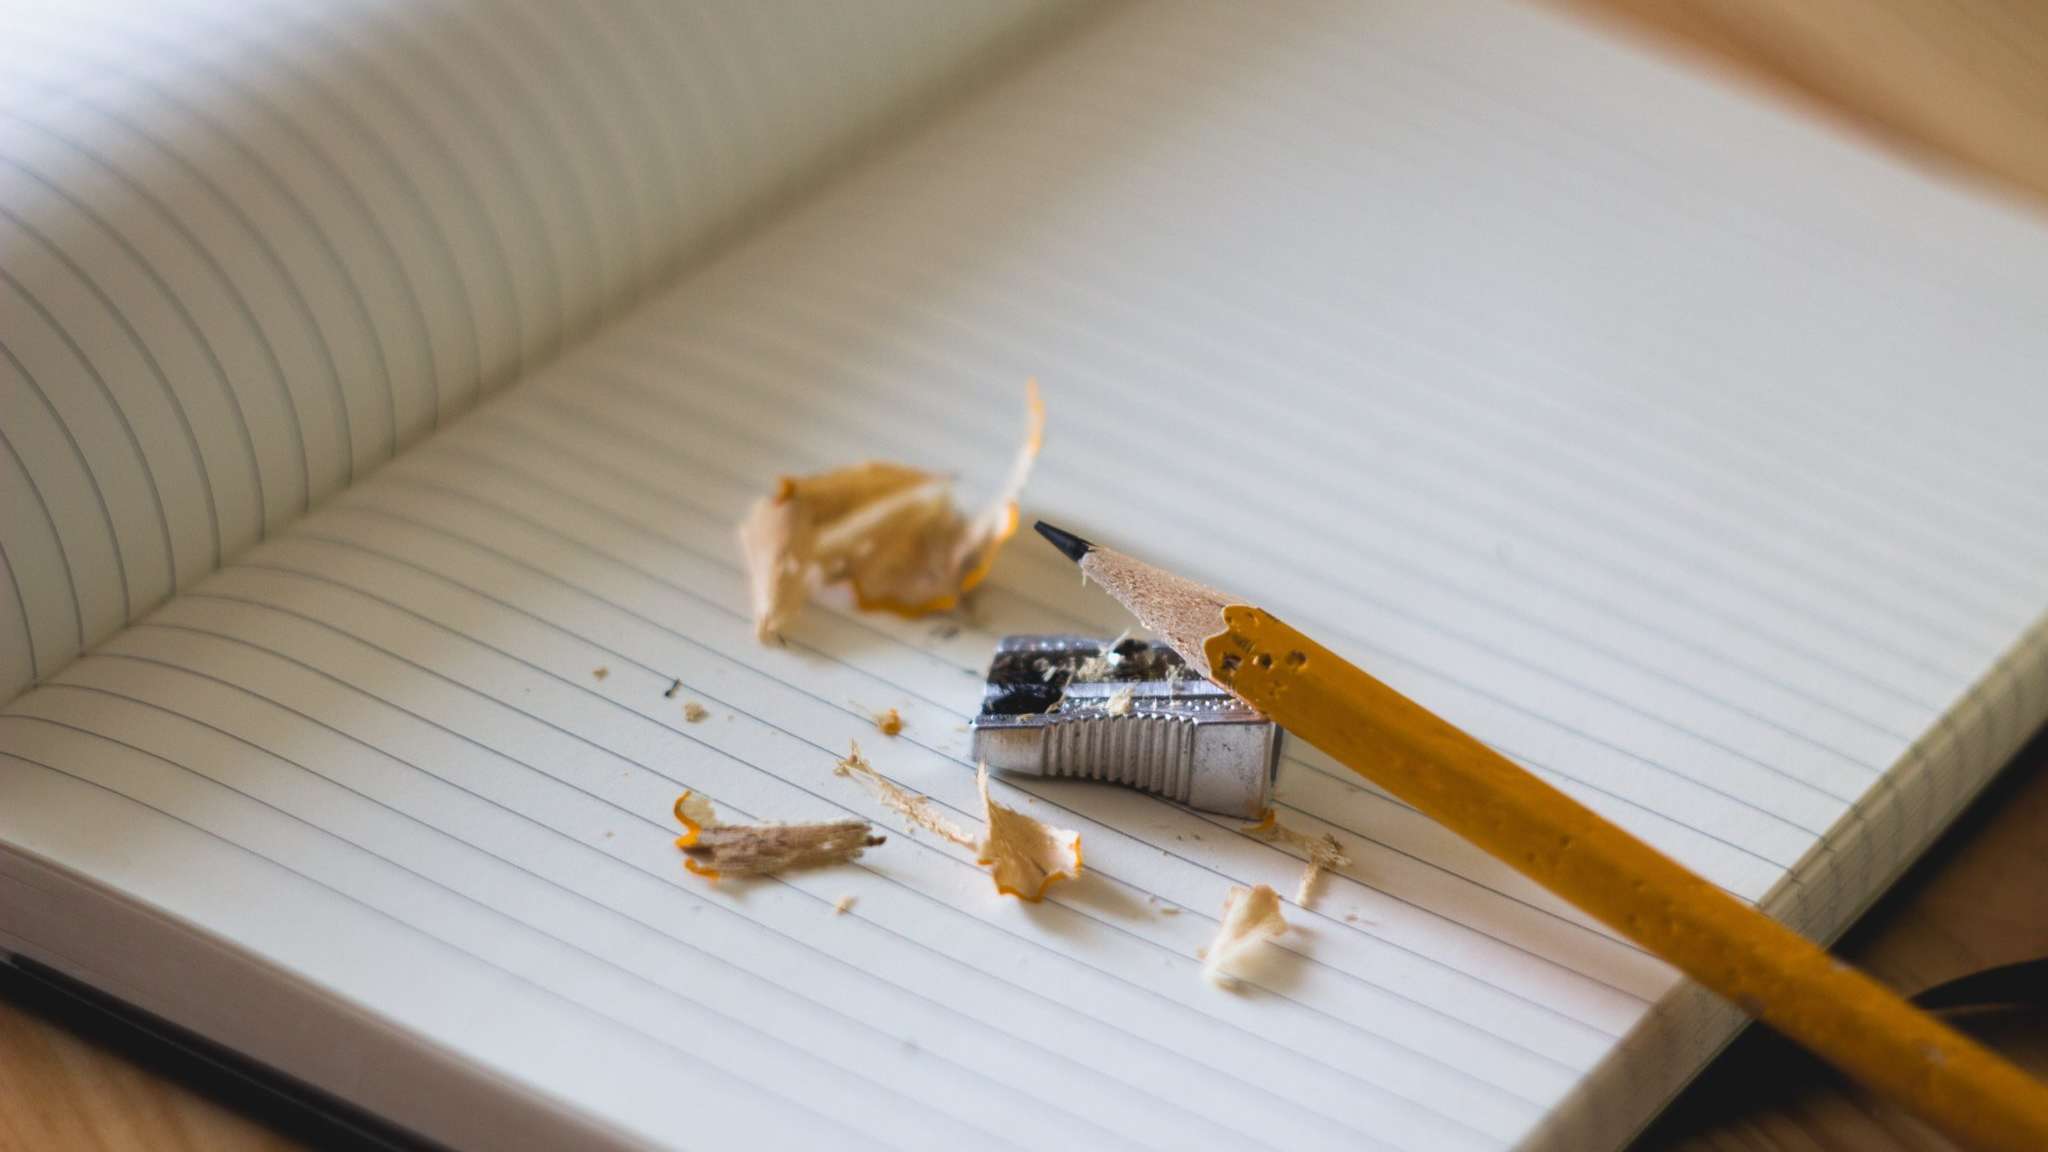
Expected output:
(1128, 712)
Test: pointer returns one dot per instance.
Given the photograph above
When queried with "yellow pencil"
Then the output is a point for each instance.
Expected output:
(1768, 970)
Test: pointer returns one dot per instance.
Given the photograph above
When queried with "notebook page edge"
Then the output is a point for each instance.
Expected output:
(179, 971)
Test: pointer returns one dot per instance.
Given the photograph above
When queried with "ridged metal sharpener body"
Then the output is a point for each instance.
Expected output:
(1124, 712)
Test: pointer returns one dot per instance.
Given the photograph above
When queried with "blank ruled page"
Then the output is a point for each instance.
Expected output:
(1621, 421)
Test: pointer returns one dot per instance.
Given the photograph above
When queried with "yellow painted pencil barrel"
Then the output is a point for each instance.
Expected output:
(1769, 970)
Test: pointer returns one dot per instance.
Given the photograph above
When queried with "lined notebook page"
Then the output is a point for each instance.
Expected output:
(249, 252)
(1611, 416)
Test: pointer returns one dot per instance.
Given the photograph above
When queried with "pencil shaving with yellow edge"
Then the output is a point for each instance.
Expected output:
(713, 849)
(1024, 856)
(889, 531)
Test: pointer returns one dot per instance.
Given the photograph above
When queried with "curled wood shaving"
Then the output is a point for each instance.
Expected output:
(694, 808)
(1025, 855)
(1119, 702)
(1249, 916)
(1324, 853)
(889, 723)
(919, 810)
(711, 849)
(842, 906)
(890, 531)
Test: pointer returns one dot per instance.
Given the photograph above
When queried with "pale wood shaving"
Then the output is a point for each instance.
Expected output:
(694, 713)
(695, 808)
(1092, 669)
(1026, 856)
(712, 849)
(1100, 665)
(763, 849)
(1324, 852)
(1250, 915)
(919, 810)
(842, 906)
(891, 532)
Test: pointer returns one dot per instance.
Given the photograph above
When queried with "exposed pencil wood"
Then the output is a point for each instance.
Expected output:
(1176, 609)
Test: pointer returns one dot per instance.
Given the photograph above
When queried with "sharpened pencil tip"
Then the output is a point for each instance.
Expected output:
(1065, 541)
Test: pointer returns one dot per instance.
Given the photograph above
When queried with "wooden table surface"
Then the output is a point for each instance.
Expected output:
(1959, 84)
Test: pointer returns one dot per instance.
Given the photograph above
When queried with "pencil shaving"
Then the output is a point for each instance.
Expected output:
(1100, 665)
(1093, 669)
(1025, 856)
(1250, 915)
(694, 808)
(765, 849)
(917, 809)
(891, 532)
(713, 850)
(1324, 853)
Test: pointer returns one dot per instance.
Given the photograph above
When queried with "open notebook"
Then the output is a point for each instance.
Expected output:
(372, 375)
